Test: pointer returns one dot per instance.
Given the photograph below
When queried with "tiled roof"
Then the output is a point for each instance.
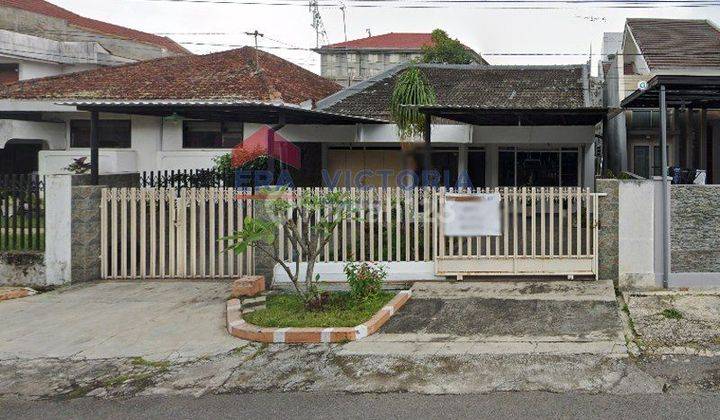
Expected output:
(224, 75)
(677, 43)
(391, 41)
(49, 9)
(499, 87)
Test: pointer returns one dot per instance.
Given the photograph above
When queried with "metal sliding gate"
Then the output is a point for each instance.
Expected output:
(545, 231)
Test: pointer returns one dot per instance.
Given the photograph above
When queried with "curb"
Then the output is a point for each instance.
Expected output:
(239, 328)
(16, 293)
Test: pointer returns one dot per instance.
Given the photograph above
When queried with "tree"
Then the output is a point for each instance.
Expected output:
(446, 50)
(411, 90)
(295, 216)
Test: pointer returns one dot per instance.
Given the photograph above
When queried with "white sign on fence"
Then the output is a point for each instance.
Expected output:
(472, 215)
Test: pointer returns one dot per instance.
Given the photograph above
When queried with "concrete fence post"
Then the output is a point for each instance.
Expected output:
(72, 225)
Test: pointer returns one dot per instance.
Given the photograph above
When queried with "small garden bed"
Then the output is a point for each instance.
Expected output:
(341, 310)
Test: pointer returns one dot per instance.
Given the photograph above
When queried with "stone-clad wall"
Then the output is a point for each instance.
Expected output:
(608, 235)
(85, 219)
(695, 228)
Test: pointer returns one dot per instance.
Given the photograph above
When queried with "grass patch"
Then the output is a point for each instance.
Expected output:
(341, 311)
(672, 313)
(139, 361)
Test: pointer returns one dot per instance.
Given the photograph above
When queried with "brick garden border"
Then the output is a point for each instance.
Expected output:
(239, 328)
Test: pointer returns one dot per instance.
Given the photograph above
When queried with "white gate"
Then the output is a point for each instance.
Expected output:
(545, 231)
(170, 233)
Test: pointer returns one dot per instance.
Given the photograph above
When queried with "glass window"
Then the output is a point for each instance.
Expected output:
(211, 135)
(476, 168)
(538, 168)
(569, 169)
(641, 161)
(645, 120)
(112, 134)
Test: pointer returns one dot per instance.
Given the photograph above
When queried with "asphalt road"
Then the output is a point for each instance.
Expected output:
(375, 406)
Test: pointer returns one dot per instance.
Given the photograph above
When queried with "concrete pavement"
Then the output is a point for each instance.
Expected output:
(550, 318)
(173, 320)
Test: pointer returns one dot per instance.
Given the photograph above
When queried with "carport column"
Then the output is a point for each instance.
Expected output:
(665, 198)
(94, 147)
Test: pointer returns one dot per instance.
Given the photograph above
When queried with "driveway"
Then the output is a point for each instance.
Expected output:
(561, 317)
(153, 320)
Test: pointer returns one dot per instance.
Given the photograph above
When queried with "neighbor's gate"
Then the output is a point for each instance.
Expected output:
(545, 231)
(169, 233)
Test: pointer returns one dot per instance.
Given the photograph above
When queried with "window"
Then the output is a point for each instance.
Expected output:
(645, 120)
(211, 135)
(538, 168)
(9, 73)
(112, 134)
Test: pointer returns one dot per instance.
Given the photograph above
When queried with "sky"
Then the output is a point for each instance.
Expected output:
(488, 29)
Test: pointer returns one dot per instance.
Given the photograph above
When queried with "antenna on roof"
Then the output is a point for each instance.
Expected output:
(317, 23)
(256, 34)
(342, 9)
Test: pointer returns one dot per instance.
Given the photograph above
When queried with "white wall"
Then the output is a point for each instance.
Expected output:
(539, 135)
(636, 234)
(111, 160)
(58, 237)
(52, 133)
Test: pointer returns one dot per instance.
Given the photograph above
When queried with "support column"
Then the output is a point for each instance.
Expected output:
(702, 143)
(94, 147)
(665, 188)
(463, 174)
(491, 165)
(427, 152)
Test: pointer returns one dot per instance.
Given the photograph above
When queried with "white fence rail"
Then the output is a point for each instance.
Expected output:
(169, 233)
(545, 231)
(166, 233)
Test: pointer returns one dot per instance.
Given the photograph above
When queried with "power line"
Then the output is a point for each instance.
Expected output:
(440, 4)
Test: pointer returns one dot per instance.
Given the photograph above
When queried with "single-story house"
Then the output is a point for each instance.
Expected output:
(499, 125)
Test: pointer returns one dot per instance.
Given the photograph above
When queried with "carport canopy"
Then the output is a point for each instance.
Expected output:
(668, 91)
(278, 114)
(698, 92)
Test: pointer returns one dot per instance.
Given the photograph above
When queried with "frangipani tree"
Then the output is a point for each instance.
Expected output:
(295, 214)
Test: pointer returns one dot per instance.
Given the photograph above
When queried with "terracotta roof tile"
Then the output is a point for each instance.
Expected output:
(403, 41)
(677, 43)
(224, 75)
(49, 9)
(539, 87)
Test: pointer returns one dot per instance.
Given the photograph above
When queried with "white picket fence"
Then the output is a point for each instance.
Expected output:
(168, 233)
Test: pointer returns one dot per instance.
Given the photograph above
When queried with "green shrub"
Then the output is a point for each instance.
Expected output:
(365, 280)
(672, 313)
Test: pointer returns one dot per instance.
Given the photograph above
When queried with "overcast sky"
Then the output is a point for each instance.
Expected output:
(561, 30)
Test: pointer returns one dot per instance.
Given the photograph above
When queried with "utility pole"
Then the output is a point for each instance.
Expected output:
(256, 34)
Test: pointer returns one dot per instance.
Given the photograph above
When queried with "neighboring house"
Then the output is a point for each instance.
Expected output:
(352, 61)
(39, 39)
(652, 47)
(162, 140)
(502, 125)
